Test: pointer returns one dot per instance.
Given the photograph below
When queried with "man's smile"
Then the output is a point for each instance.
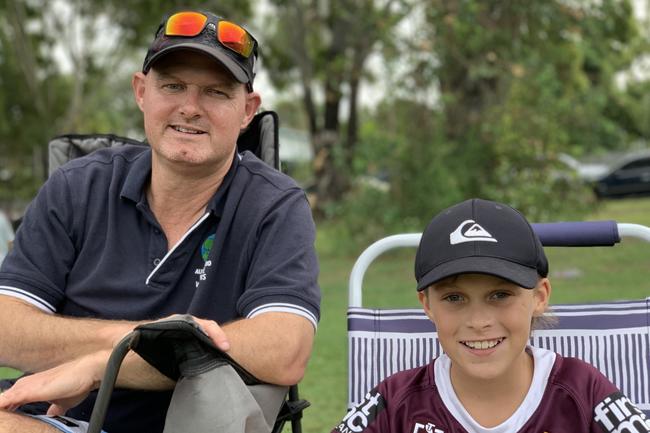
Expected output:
(187, 129)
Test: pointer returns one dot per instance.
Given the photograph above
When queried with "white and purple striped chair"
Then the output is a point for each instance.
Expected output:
(613, 336)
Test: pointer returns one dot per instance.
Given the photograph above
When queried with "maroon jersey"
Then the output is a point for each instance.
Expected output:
(567, 395)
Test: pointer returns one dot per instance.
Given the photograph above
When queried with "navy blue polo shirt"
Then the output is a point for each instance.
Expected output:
(89, 246)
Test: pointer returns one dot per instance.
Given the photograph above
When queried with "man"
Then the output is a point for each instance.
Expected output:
(133, 234)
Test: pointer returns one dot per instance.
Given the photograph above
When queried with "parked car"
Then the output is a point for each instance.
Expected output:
(622, 175)
(587, 171)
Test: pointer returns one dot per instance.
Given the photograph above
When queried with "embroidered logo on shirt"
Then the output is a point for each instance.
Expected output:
(475, 233)
(616, 413)
(426, 428)
(365, 413)
(206, 247)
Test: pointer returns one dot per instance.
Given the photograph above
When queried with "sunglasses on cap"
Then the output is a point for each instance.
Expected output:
(230, 35)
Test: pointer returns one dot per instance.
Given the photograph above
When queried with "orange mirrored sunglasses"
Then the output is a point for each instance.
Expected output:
(230, 35)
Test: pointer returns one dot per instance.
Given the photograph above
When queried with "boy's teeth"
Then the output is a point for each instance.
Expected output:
(488, 344)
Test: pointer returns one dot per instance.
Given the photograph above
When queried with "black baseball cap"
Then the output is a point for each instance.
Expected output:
(483, 237)
(241, 67)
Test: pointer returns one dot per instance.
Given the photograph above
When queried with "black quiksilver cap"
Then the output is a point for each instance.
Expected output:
(484, 237)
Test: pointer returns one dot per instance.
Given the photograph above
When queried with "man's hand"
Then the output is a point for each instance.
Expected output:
(64, 386)
(215, 332)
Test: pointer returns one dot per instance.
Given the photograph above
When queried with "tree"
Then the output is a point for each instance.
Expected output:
(323, 47)
(33, 94)
(521, 82)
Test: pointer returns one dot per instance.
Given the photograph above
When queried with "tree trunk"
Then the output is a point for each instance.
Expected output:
(331, 175)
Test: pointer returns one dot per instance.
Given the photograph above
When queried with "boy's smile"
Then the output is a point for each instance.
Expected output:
(483, 345)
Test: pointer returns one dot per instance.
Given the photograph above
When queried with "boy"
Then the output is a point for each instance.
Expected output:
(482, 280)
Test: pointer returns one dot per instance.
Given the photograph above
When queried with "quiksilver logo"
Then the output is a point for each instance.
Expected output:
(470, 231)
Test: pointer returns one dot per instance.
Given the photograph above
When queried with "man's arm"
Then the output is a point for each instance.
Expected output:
(53, 345)
(274, 346)
(32, 340)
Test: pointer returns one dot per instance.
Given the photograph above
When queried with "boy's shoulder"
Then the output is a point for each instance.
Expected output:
(578, 376)
(579, 386)
(401, 385)
(394, 404)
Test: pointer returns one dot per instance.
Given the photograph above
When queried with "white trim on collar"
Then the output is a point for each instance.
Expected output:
(543, 361)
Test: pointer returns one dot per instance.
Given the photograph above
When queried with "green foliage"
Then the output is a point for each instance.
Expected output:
(403, 175)
(322, 48)
(139, 19)
(8, 373)
(518, 84)
(635, 103)
(525, 134)
(420, 164)
(364, 215)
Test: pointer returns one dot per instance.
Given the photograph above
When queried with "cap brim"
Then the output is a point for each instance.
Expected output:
(217, 54)
(521, 275)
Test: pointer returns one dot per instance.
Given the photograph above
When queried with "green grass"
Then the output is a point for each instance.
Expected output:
(577, 275)
(8, 373)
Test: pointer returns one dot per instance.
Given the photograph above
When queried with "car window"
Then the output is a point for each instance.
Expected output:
(639, 163)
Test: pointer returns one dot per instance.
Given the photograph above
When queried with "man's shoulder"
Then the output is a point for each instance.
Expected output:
(106, 157)
(261, 175)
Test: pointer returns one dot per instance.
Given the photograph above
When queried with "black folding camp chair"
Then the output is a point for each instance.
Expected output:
(178, 340)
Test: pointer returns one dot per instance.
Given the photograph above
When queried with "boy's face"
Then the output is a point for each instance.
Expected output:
(484, 323)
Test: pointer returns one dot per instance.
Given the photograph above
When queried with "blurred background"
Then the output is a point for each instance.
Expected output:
(390, 110)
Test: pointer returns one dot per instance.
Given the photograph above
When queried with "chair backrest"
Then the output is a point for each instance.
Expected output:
(613, 336)
(261, 138)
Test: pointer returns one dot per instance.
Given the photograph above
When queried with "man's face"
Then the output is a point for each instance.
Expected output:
(193, 110)
(483, 324)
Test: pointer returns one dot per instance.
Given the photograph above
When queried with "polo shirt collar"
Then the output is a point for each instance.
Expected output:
(137, 177)
(218, 201)
(140, 173)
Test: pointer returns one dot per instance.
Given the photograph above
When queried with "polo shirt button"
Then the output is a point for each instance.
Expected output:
(156, 262)
(156, 231)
